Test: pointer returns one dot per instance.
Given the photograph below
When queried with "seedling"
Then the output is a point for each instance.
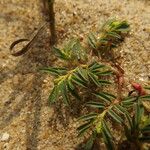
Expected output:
(78, 72)
(137, 132)
(109, 109)
(73, 51)
(83, 76)
(110, 35)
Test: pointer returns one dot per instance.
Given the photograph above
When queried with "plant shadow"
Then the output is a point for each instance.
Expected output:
(27, 92)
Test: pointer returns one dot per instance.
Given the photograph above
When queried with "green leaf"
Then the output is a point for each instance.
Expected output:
(123, 27)
(95, 104)
(95, 66)
(83, 128)
(55, 71)
(146, 129)
(78, 81)
(108, 141)
(128, 132)
(111, 96)
(147, 87)
(59, 53)
(104, 73)
(89, 144)
(104, 82)
(74, 93)
(145, 97)
(54, 95)
(88, 117)
(94, 78)
(70, 84)
(83, 73)
(92, 40)
(129, 120)
(115, 116)
(78, 51)
(106, 129)
(120, 109)
(64, 91)
(107, 23)
(114, 34)
(138, 114)
(145, 139)
(107, 97)
(129, 101)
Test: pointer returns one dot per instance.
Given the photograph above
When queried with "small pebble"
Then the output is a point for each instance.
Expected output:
(5, 137)
(6, 146)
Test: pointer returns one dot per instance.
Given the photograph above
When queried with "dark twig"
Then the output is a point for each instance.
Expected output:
(52, 21)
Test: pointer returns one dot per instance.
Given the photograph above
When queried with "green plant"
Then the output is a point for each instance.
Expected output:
(80, 73)
(138, 130)
(82, 76)
(110, 35)
(109, 109)
(73, 51)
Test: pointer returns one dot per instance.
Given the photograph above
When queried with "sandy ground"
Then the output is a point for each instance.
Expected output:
(24, 112)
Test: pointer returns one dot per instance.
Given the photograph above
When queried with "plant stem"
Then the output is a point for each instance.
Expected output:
(52, 21)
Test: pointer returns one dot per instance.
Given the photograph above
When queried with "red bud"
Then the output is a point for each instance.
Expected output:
(138, 88)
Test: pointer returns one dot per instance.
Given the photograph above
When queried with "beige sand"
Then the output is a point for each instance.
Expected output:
(24, 111)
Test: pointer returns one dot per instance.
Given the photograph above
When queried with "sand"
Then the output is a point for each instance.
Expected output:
(24, 111)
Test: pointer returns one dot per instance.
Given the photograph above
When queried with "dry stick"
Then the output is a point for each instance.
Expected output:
(120, 79)
(32, 41)
(52, 21)
(28, 45)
